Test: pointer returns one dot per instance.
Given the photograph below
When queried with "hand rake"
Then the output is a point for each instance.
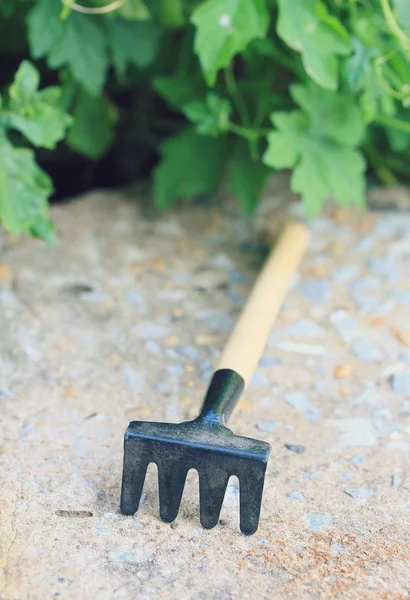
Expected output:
(206, 444)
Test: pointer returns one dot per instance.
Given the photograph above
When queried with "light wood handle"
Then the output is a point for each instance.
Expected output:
(248, 339)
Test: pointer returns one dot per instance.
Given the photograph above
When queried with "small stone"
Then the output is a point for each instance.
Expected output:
(366, 351)
(318, 521)
(189, 352)
(396, 481)
(358, 459)
(342, 371)
(346, 273)
(295, 448)
(359, 493)
(316, 291)
(304, 328)
(299, 348)
(297, 496)
(299, 401)
(152, 347)
(345, 325)
(146, 331)
(401, 383)
(134, 298)
(356, 431)
(171, 340)
(270, 361)
(258, 380)
(313, 475)
(267, 426)
(370, 396)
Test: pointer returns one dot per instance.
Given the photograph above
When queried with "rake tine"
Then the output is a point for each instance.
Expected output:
(171, 486)
(251, 489)
(132, 483)
(212, 488)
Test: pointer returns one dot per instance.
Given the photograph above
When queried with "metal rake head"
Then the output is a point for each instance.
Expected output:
(205, 445)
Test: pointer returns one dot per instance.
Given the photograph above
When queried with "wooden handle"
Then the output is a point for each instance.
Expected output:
(248, 339)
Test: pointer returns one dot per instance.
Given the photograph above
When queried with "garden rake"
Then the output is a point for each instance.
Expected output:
(206, 444)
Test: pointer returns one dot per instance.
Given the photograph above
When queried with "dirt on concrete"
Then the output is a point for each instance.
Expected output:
(123, 319)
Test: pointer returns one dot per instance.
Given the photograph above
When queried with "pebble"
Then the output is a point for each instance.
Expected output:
(153, 347)
(369, 396)
(401, 383)
(337, 549)
(299, 348)
(189, 352)
(134, 298)
(345, 325)
(217, 322)
(345, 273)
(267, 426)
(358, 459)
(295, 448)
(355, 431)
(146, 331)
(299, 401)
(297, 496)
(318, 521)
(346, 476)
(342, 371)
(316, 291)
(313, 475)
(270, 361)
(396, 481)
(258, 380)
(366, 351)
(304, 328)
(359, 493)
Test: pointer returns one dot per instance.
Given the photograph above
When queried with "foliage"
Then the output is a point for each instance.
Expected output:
(233, 88)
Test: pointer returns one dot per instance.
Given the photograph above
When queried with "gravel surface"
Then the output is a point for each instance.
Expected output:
(123, 320)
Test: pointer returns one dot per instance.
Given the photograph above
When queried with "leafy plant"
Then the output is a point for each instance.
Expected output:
(216, 88)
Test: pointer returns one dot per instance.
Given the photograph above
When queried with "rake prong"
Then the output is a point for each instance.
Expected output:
(251, 489)
(171, 483)
(212, 488)
(135, 469)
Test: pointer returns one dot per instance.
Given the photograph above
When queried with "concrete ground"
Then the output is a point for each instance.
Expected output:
(123, 319)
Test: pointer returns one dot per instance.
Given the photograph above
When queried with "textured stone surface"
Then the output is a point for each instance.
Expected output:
(123, 319)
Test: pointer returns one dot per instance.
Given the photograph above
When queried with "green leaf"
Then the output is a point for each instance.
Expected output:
(191, 165)
(305, 26)
(133, 43)
(335, 116)
(180, 88)
(24, 190)
(224, 28)
(38, 115)
(247, 177)
(44, 27)
(358, 67)
(325, 170)
(320, 143)
(93, 129)
(82, 46)
(134, 10)
(170, 13)
(283, 151)
(211, 117)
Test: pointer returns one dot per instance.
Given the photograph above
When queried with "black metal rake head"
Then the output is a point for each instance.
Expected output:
(204, 444)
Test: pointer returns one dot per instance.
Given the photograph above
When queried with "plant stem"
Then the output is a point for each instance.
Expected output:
(394, 26)
(236, 96)
(393, 122)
